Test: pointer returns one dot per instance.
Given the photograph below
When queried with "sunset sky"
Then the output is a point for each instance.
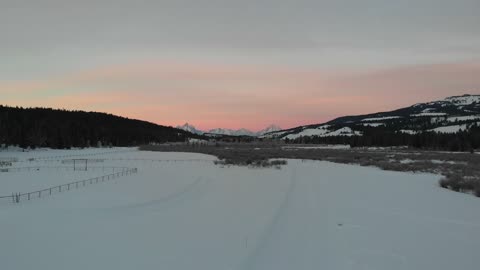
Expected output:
(235, 64)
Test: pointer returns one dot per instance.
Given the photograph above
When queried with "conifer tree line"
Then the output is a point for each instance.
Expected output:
(43, 127)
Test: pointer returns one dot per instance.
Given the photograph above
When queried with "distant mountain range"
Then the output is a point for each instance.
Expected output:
(449, 124)
(447, 116)
(229, 132)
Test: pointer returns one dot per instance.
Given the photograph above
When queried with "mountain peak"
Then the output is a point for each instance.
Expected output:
(190, 128)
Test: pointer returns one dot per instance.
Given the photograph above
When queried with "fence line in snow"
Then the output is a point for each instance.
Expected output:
(18, 197)
(83, 155)
(66, 168)
(116, 159)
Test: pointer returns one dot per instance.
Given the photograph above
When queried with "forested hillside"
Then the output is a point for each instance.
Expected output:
(42, 127)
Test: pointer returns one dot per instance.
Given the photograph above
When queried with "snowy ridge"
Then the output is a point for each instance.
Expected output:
(440, 116)
(464, 100)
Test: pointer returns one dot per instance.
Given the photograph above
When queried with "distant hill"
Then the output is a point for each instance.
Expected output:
(451, 123)
(42, 127)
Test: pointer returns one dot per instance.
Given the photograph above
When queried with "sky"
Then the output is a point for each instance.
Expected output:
(237, 64)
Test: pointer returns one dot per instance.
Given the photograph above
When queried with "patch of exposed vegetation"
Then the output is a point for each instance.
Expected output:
(461, 170)
(254, 163)
(461, 183)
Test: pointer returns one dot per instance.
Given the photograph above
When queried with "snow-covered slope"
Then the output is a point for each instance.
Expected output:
(450, 115)
(324, 131)
(464, 100)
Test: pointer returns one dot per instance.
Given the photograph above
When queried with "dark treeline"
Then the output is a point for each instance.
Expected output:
(461, 141)
(41, 127)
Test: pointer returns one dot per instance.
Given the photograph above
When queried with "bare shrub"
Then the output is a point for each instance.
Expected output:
(278, 162)
(457, 182)
(476, 189)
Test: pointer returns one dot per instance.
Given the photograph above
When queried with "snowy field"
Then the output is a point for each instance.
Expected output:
(180, 211)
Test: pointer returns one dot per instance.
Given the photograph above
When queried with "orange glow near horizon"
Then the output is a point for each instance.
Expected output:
(211, 96)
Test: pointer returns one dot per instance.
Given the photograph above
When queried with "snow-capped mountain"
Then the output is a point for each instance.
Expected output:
(450, 115)
(244, 132)
(271, 128)
(229, 132)
(190, 128)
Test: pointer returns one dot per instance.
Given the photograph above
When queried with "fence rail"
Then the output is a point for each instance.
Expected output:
(89, 160)
(66, 168)
(64, 160)
(84, 154)
(18, 197)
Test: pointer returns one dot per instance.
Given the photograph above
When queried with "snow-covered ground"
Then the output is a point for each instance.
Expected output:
(423, 114)
(373, 124)
(463, 118)
(180, 211)
(411, 132)
(381, 118)
(450, 129)
(323, 131)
